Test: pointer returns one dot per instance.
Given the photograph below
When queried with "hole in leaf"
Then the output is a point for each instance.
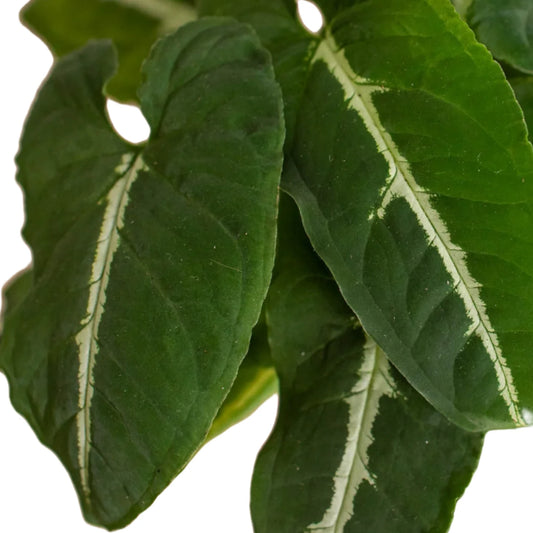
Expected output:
(128, 122)
(310, 16)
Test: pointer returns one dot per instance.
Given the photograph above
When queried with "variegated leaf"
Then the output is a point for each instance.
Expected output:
(414, 177)
(150, 263)
(355, 448)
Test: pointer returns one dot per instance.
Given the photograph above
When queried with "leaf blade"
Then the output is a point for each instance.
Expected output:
(426, 189)
(505, 29)
(352, 438)
(133, 25)
(138, 326)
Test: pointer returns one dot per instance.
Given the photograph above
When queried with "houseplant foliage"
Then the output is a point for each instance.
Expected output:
(389, 153)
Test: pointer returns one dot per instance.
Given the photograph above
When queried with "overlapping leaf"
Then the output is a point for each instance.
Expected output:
(256, 382)
(256, 379)
(414, 176)
(523, 89)
(133, 25)
(150, 264)
(354, 448)
(506, 28)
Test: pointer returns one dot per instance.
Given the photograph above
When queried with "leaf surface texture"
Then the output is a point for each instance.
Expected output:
(416, 193)
(150, 263)
(355, 448)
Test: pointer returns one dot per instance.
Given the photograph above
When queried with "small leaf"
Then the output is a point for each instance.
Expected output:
(150, 264)
(355, 448)
(506, 28)
(133, 26)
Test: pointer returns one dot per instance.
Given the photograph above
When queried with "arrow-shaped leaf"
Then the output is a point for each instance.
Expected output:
(355, 448)
(150, 264)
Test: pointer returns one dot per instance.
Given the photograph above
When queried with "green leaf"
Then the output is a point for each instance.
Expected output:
(506, 28)
(289, 43)
(150, 263)
(523, 89)
(352, 439)
(426, 221)
(462, 6)
(417, 194)
(13, 294)
(256, 382)
(133, 25)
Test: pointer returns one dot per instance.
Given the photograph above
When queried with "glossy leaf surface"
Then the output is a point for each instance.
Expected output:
(150, 264)
(506, 28)
(355, 448)
(133, 25)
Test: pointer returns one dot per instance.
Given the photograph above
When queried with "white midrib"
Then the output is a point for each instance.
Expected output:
(401, 183)
(87, 338)
(373, 384)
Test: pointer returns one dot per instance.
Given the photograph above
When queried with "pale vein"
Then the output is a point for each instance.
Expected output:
(87, 338)
(401, 183)
(373, 384)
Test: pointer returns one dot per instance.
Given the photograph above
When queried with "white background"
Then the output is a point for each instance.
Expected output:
(211, 495)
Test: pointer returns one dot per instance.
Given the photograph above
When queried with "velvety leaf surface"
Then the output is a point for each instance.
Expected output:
(150, 264)
(413, 173)
(133, 25)
(506, 28)
(355, 448)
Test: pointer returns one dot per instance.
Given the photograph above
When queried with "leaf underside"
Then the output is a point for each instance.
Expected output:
(150, 264)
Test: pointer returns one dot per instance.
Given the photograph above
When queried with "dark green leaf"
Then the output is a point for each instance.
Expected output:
(256, 382)
(133, 25)
(150, 264)
(426, 221)
(414, 176)
(523, 89)
(13, 294)
(506, 28)
(286, 39)
(355, 448)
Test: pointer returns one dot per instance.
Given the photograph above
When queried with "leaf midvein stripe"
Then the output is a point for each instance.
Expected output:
(400, 183)
(87, 338)
(353, 468)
